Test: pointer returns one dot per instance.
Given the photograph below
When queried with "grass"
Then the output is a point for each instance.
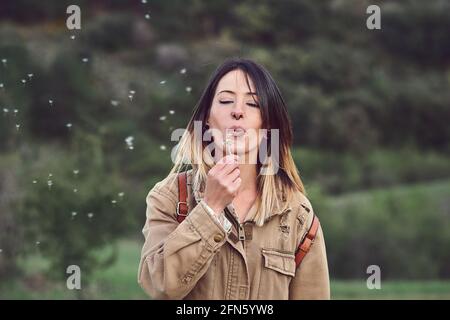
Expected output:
(119, 282)
(391, 290)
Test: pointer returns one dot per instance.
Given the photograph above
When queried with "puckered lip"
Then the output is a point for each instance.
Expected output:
(237, 128)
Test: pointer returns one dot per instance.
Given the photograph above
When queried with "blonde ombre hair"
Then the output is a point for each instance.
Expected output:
(280, 178)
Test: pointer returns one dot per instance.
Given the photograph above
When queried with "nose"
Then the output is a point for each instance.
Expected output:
(236, 112)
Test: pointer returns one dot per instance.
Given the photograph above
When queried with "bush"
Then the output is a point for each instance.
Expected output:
(341, 172)
(405, 231)
(65, 214)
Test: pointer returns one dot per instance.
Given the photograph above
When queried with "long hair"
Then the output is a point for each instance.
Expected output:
(272, 188)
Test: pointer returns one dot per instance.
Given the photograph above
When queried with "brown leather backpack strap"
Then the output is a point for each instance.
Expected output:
(182, 206)
(308, 240)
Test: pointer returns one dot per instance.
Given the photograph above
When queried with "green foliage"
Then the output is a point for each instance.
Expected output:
(67, 214)
(404, 230)
(343, 172)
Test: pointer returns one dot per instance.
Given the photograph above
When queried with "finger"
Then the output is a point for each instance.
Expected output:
(221, 163)
(236, 184)
(232, 176)
(227, 169)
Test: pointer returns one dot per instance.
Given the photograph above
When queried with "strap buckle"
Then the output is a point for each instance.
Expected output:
(178, 208)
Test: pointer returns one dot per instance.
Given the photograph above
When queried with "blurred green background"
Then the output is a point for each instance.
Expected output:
(86, 117)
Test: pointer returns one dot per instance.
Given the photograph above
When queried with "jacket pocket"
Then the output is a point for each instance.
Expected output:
(279, 261)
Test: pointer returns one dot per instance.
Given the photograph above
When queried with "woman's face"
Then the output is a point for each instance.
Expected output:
(235, 117)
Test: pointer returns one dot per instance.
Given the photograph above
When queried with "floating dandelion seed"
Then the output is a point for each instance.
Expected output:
(50, 102)
(113, 201)
(5, 110)
(131, 97)
(75, 190)
(183, 71)
(85, 60)
(188, 89)
(129, 141)
(132, 92)
(24, 81)
(162, 118)
(4, 61)
(74, 213)
(49, 183)
(72, 37)
(114, 103)
(162, 147)
(162, 82)
(17, 126)
(50, 175)
(171, 111)
(90, 215)
(144, 1)
(30, 75)
(1, 250)
(147, 16)
(38, 243)
(15, 111)
(75, 172)
(69, 125)
(121, 194)
(34, 181)
(1, 85)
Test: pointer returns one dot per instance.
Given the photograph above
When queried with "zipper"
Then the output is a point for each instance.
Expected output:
(239, 226)
(241, 232)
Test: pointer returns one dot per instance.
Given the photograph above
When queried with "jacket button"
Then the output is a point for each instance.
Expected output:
(218, 238)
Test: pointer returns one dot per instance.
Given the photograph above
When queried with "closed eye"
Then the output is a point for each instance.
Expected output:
(249, 103)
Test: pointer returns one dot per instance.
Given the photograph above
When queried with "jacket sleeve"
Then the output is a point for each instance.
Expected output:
(311, 281)
(176, 255)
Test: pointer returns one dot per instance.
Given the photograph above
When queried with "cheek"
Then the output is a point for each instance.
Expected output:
(214, 116)
(256, 119)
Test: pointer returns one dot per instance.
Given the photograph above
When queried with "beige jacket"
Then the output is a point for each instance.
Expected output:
(197, 259)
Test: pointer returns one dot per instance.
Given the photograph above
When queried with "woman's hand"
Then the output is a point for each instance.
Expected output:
(222, 183)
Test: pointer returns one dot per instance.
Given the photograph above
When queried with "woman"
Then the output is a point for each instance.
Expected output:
(248, 212)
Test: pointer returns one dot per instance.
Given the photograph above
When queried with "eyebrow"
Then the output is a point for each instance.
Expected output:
(229, 91)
